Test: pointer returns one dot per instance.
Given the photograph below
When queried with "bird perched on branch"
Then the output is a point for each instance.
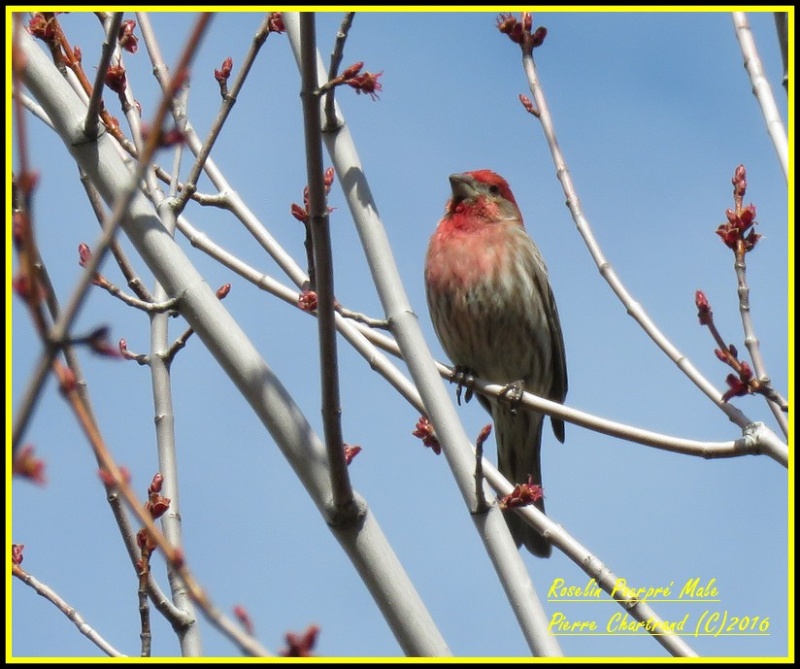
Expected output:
(494, 313)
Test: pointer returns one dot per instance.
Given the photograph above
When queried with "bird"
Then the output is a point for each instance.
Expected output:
(494, 313)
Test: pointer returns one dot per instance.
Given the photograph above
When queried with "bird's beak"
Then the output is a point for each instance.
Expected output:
(463, 186)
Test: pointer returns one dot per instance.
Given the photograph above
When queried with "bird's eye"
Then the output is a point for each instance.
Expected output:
(494, 190)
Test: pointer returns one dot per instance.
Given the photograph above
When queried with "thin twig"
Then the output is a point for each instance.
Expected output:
(228, 198)
(331, 122)
(174, 556)
(69, 59)
(145, 633)
(190, 184)
(92, 124)
(176, 617)
(60, 329)
(70, 612)
(633, 308)
(740, 250)
(380, 323)
(323, 263)
(749, 383)
(762, 90)
(132, 279)
(782, 27)
(168, 305)
(164, 420)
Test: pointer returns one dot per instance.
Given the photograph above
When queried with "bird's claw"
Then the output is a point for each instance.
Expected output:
(512, 393)
(463, 376)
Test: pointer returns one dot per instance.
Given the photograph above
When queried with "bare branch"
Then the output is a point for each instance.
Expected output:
(92, 124)
(319, 225)
(762, 90)
(120, 211)
(229, 100)
(331, 121)
(782, 28)
(633, 307)
(71, 613)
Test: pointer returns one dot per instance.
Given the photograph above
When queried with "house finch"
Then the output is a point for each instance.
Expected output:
(494, 313)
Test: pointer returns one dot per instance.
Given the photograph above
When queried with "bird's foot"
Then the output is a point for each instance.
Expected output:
(462, 377)
(512, 393)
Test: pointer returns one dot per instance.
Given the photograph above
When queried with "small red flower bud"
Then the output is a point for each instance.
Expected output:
(158, 506)
(739, 182)
(299, 213)
(506, 23)
(300, 645)
(350, 452)
(244, 619)
(123, 349)
(107, 478)
(16, 553)
(115, 79)
(748, 215)
(27, 182)
(19, 226)
(30, 292)
(66, 380)
(483, 435)
(141, 539)
(526, 102)
(704, 313)
(222, 74)
(522, 495)
(700, 300)
(751, 240)
(127, 40)
(156, 483)
(746, 373)
(729, 233)
(223, 290)
(171, 137)
(328, 179)
(84, 254)
(27, 465)
(736, 388)
(178, 559)
(275, 23)
(538, 36)
(367, 83)
(424, 431)
(41, 27)
(353, 70)
(307, 300)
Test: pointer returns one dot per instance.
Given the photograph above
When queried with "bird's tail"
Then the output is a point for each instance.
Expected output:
(519, 441)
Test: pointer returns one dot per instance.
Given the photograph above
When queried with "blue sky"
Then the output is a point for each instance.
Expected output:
(653, 112)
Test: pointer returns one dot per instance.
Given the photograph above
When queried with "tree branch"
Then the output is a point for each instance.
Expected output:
(762, 90)
(319, 225)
